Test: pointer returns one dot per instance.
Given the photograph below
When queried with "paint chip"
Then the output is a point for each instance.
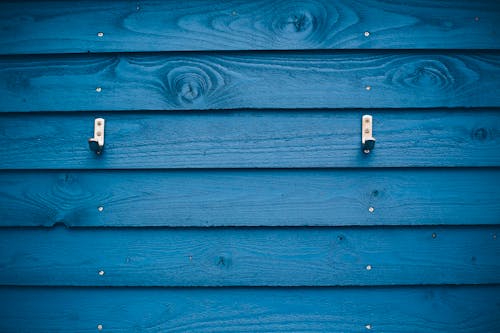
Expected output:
(434, 235)
(100, 34)
(371, 209)
(98, 89)
(367, 33)
(368, 326)
(101, 273)
(100, 208)
(368, 267)
(368, 88)
(99, 327)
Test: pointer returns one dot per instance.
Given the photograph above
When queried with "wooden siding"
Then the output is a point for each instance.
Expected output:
(204, 25)
(256, 139)
(320, 79)
(294, 197)
(250, 257)
(433, 309)
(233, 194)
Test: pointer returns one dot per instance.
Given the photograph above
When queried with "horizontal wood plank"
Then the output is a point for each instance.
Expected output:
(249, 256)
(117, 26)
(249, 80)
(245, 139)
(251, 197)
(417, 310)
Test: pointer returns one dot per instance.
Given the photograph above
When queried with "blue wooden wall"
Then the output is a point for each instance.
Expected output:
(233, 194)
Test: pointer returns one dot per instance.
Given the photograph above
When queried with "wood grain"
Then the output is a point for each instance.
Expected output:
(244, 139)
(62, 27)
(249, 256)
(190, 81)
(418, 310)
(250, 197)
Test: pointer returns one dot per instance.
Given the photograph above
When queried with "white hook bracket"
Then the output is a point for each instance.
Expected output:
(367, 139)
(96, 144)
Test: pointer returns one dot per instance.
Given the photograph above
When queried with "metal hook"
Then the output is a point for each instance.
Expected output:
(96, 144)
(367, 139)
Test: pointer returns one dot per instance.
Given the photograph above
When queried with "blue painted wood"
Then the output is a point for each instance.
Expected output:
(58, 26)
(350, 79)
(423, 309)
(250, 197)
(406, 242)
(244, 139)
(249, 256)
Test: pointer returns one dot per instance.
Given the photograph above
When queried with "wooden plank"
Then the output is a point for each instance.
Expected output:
(249, 256)
(249, 80)
(245, 139)
(57, 26)
(424, 309)
(250, 197)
